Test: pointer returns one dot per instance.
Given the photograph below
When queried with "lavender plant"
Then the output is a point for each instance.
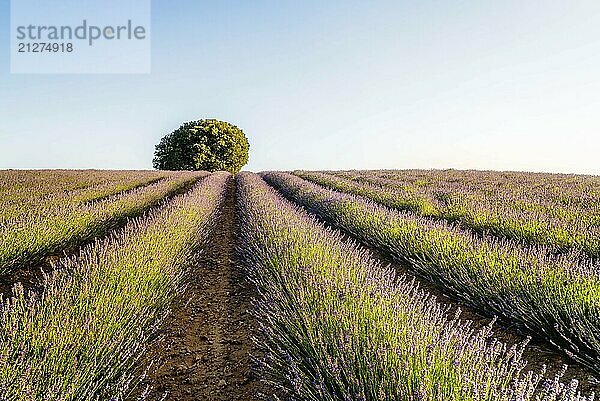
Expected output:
(82, 337)
(335, 325)
(61, 221)
(525, 209)
(22, 190)
(555, 297)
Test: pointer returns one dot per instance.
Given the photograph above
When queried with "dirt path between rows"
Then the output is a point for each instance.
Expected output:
(206, 343)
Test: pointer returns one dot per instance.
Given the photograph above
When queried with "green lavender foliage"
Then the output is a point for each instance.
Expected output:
(82, 336)
(561, 212)
(555, 297)
(59, 220)
(336, 325)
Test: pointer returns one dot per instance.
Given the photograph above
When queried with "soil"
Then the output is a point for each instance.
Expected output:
(207, 341)
(32, 279)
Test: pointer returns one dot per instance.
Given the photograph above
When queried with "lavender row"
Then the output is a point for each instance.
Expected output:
(61, 224)
(35, 188)
(336, 325)
(84, 337)
(488, 203)
(555, 297)
(568, 189)
(555, 196)
(560, 189)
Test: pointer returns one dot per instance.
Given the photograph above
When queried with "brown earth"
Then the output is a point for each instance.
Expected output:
(206, 344)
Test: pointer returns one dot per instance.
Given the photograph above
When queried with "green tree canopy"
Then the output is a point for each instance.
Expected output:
(210, 145)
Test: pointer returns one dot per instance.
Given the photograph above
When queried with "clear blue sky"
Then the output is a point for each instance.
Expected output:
(330, 85)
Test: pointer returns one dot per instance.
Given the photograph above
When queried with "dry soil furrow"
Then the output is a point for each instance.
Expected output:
(206, 344)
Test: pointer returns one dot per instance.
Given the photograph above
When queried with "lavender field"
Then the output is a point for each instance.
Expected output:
(304, 285)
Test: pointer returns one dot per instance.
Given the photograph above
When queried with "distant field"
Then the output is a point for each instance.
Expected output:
(305, 285)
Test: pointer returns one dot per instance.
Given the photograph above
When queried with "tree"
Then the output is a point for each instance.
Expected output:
(210, 145)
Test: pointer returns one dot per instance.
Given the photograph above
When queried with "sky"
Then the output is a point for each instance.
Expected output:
(501, 85)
